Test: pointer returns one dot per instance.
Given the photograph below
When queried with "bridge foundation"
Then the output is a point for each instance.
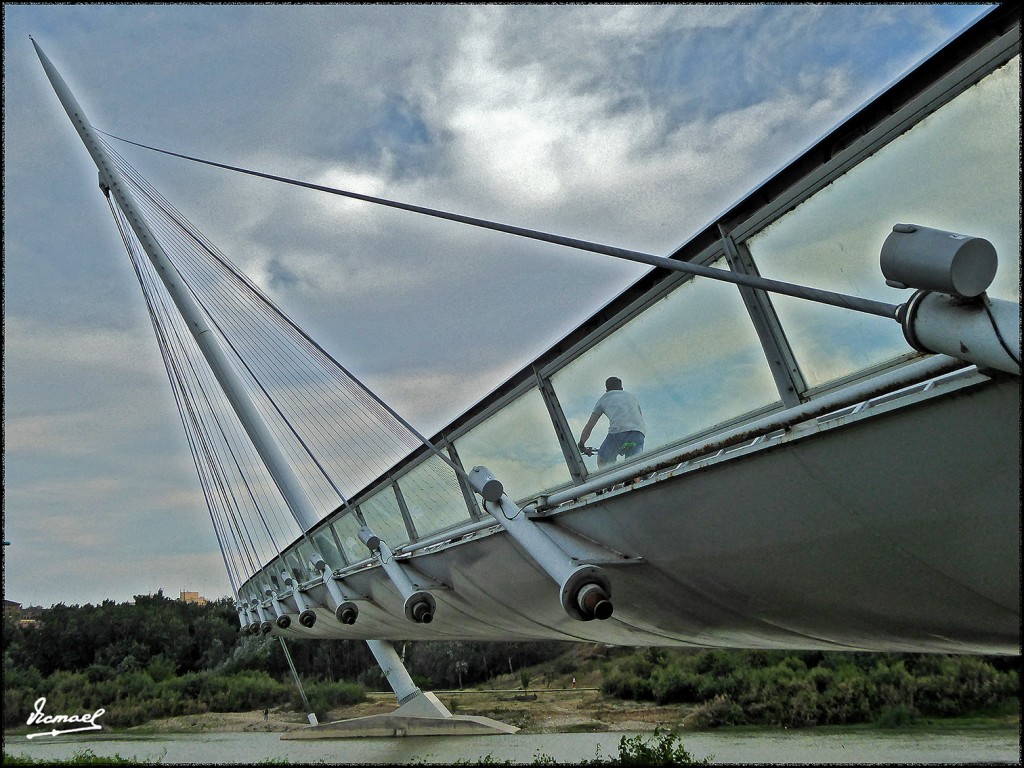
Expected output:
(424, 715)
(419, 713)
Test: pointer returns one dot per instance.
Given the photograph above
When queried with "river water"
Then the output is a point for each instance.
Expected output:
(773, 747)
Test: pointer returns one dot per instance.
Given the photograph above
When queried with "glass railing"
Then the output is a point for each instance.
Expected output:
(957, 170)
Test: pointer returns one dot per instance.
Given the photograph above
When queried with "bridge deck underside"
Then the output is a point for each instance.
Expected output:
(899, 532)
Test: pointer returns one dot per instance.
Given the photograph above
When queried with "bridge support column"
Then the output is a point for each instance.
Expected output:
(419, 713)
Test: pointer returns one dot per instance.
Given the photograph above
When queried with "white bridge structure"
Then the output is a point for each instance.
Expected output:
(846, 477)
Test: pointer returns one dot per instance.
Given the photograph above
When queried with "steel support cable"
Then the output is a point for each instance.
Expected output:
(175, 380)
(207, 309)
(284, 384)
(210, 462)
(190, 419)
(217, 511)
(845, 301)
(207, 430)
(181, 336)
(388, 449)
(220, 478)
(199, 433)
(262, 301)
(361, 391)
(122, 229)
(216, 489)
(400, 420)
(284, 418)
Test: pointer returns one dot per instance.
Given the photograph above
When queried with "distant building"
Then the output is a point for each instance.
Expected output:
(24, 617)
(192, 597)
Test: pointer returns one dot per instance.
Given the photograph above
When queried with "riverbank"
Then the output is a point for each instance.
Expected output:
(544, 711)
(541, 711)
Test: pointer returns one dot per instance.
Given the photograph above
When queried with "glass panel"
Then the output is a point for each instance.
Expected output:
(384, 516)
(957, 170)
(519, 445)
(347, 528)
(433, 496)
(295, 568)
(328, 550)
(692, 360)
(304, 553)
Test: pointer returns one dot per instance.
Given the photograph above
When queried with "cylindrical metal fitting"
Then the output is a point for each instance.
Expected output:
(347, 613)
(984, 331)
(935, 260)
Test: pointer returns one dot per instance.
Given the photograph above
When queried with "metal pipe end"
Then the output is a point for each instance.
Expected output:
(594, 602)
(284, 621)
(420, 608)
(422, 614)
(307, 618)
(265, 627)
(347, 613)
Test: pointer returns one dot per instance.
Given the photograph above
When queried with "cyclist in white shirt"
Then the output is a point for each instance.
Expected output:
(625, 425)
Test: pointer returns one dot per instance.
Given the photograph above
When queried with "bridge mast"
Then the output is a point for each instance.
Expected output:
(111, 182)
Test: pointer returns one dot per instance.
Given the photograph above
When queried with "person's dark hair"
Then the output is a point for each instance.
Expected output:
(613, 382)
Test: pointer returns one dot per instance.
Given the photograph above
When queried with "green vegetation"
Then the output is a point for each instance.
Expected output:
(159, 657)
(793, 689)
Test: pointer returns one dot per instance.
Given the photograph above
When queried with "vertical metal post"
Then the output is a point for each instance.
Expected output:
(403, 507)
(311, 715)
(788, 379)
(577, 469)
(468, 494)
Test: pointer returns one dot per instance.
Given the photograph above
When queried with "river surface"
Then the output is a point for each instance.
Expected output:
(774, 747)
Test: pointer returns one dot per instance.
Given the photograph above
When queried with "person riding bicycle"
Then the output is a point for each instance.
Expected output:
(625, 425)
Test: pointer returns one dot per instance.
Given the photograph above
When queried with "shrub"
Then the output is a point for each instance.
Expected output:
(720, 711)
(325, 696)
(661, 749)
(899, 716)
(676, 684)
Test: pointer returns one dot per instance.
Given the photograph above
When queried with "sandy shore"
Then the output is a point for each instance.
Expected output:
(551, 711)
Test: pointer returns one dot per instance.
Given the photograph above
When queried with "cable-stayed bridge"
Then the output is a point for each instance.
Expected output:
(847, 483)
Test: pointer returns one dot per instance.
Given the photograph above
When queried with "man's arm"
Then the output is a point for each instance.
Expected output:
(585, 435)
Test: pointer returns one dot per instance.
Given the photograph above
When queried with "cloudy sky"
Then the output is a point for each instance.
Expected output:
(633, 126)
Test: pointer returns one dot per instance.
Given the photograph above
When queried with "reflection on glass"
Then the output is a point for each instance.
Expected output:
(305, 553)
(957, 170)
(328, 550)
(518, 444)
(347, 528)
(294, 565)
(693, 360)
(384, 517)
(433, 496)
